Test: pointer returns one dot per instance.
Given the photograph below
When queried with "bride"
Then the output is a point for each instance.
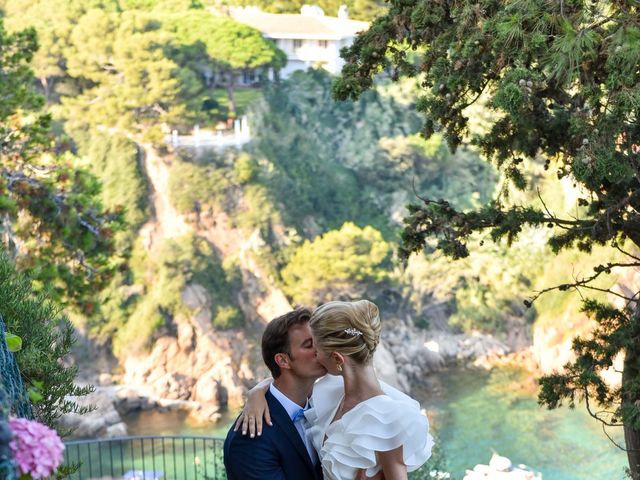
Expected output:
(361, 427)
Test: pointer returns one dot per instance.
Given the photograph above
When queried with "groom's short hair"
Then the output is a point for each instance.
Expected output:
(275, 338)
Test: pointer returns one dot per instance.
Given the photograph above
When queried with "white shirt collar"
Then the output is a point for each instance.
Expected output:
(289, 405)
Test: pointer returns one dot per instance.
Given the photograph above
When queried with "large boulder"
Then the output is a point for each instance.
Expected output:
(387, 371)
(104, 420)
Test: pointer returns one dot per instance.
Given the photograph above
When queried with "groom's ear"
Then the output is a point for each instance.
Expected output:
(282, 360)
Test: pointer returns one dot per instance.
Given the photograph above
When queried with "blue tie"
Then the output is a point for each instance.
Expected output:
(299, 415)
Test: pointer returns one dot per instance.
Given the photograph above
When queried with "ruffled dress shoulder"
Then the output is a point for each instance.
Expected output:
(378, 424)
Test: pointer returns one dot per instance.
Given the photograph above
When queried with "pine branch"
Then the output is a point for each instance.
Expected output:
(584, 283)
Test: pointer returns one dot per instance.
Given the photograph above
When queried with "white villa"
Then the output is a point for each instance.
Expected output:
(309, 39)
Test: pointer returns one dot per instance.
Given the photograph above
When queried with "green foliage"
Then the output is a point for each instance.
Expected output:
(299, 173)
(243, 98)
(14, 342)
(54, 32)
(432, 170)
(161, 5)
(47, 337)
(613, 334)
(483, 290)
(163, 277)
(340, 263)
(310, 170)
(229, 181)
(110, 65)
(245, 168)
(223, 45)
(116, 162)
(228, 316)
(563, 81)
(192, 185)
(230, 45)
(117, 301)
(52, 206)
(128, 80)
(257, 210)
(563, 305)
(531, 59)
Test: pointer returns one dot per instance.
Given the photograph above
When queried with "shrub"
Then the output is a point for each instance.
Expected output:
(47, 337)
(164, 275)
(245, 168)
(339, 263)
(115, 161)
(192, 184)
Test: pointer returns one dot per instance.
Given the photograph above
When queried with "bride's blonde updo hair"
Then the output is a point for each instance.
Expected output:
(349, 328)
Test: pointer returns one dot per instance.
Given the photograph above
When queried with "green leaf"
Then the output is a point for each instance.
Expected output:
(34, 395)
(14, 342)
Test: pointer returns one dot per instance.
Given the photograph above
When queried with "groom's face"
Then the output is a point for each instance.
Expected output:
(303, 360)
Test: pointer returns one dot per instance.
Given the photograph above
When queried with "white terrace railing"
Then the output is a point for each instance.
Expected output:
(221, 139)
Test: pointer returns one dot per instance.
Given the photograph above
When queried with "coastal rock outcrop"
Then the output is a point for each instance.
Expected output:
(103, 421)
(501, 468)
(417, 352)
(205, 367)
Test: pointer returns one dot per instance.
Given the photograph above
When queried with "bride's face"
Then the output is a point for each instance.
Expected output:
(326, 360)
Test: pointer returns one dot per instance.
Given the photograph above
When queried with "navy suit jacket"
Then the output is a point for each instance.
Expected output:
(278, 454)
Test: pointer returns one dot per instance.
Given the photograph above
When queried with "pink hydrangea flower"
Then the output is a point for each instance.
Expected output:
(36, 449)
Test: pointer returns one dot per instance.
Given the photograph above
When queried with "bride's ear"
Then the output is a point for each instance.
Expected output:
(338, 358)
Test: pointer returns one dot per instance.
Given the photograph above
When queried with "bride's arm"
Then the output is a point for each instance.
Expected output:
(392, 463)
(256, 407)
(361, 475)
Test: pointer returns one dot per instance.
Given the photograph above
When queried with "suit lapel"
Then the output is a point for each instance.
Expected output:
(282, 419)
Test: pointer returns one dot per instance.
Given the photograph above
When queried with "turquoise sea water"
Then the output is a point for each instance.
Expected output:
(474, 414)
(175, 423)
(478, 413)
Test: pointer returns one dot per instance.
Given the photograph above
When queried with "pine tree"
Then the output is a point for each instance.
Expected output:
(226, 46)
(562, 82)
(51, 218)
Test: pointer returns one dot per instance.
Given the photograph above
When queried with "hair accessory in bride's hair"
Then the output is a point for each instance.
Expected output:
(354, 332)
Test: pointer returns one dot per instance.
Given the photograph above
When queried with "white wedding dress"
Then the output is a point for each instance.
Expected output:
(380, 423)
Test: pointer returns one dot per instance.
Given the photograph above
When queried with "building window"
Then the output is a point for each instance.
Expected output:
(248, 77)
(323, 43)
(297, 43)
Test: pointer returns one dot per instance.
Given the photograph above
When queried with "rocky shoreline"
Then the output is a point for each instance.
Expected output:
(405, 358)
(112, 403)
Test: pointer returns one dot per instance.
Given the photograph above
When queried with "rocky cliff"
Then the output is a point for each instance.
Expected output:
(195, 366)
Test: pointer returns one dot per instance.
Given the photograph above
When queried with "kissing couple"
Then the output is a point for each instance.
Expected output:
(327, 414)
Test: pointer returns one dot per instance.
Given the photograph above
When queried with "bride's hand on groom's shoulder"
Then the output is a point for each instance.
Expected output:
(256, 408)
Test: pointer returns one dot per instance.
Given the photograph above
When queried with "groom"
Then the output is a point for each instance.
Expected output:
(283, 451)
